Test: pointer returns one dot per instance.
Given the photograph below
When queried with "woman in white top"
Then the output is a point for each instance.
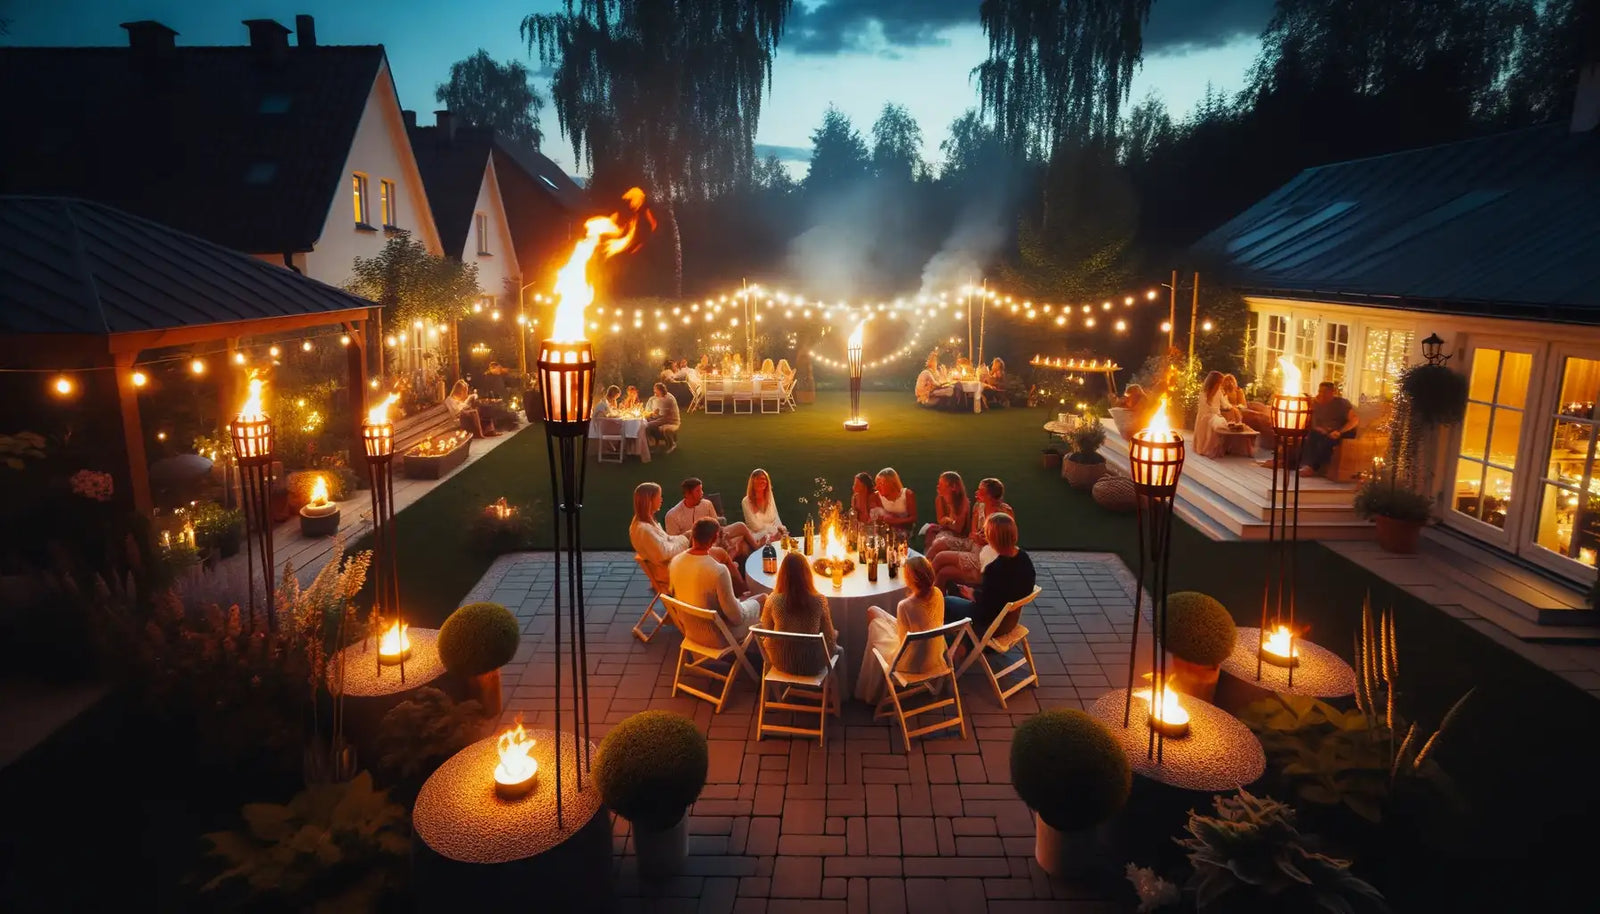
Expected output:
(654, 544)
(1209, 418)
(785, 372)
(767, 368)
(760, 508)
(922, 609)
(897, 504)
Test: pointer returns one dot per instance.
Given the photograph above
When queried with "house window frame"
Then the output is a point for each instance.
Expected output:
(389, 202)
(361, 189)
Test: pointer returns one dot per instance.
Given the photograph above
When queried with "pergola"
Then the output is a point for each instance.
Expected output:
(85, 289)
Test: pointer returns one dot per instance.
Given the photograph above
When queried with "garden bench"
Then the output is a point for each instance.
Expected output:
(412, 429)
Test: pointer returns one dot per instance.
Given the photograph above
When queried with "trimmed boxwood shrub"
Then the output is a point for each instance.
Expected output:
(651, 767)
(1199, 629)
(479, 638)
(1069, 769)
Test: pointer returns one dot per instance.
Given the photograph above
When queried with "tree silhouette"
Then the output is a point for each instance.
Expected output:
(838, 153)
(896, 144)
(488, 94)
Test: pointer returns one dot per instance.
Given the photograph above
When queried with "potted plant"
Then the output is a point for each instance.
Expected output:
(1085, 465)
(219, 527)
(1200, 635)
(1398, 512)
(1434, 395)
(1074, 776)
(474, 643)
(650, 769)
(1252, 857)
(1052, 456)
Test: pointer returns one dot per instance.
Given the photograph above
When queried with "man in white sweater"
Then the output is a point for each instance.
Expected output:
(735, 537)
(700, 580)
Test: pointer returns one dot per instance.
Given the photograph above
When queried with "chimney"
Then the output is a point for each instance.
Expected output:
(149, 36)
(1586, 104)
(446, 122)
(410, 118)
(268, 37)
(305, 31)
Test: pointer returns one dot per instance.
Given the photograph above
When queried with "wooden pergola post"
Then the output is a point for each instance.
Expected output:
(133, 434)
(356, 365)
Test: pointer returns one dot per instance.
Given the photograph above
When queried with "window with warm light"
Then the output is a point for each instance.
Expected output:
(1335, 351)
(1497, 394)
(1275, 340)
(1569, 495)
(389, 203)
(358, 190)
(1385, 357)
(481, 224)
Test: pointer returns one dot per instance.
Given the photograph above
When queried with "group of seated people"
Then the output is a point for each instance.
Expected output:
(938, 387)
(660, 412)
(484, 415)
(972, 569)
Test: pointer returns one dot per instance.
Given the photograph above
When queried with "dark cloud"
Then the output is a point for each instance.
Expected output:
(880, 26)
(784, 153)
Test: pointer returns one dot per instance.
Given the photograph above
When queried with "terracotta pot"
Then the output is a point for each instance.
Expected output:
(1064, 853)
(1083, 475)
(1396, 535)
(1194, 679)
(1052, 460)
(485, 689)
(662, 853)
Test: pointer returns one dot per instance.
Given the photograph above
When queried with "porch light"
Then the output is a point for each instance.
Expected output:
(1431, 350)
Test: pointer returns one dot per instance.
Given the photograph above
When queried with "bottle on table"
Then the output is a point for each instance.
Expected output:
(769, 559)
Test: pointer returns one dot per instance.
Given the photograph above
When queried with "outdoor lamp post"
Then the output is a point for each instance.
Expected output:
(252, 434)
(852, 353)
(1155, 463)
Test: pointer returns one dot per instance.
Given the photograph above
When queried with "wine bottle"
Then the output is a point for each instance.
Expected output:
(769, 559)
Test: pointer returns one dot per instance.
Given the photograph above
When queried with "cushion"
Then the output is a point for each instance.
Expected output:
(1115, 493)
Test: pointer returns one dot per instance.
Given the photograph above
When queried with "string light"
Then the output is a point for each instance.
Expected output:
(140, 379)
(305, 346)
(344, 339)
(1166, 326)
(1206, 326)
(63, 386)
(238, 358)
(274, 351)
(198, 366)
(1121, 326)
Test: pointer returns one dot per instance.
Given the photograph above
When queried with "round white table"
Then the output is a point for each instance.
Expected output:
(635, 437)
(848, 605)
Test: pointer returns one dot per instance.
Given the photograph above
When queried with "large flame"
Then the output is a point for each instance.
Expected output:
(1291, 376)
(832, 543)
(394, 642)
(573, 290)
(319, 490)
(855, 337)
(251, 411)
(1278, 643)
(1169, 710)
(379, 415)
(516, 764)
(1159, 429)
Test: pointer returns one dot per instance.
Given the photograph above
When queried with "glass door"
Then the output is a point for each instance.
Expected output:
(1384, 358)
(1491, 434)
(1566, 534)
(1335, 354)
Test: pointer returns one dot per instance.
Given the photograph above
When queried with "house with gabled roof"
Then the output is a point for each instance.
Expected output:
(296, 154)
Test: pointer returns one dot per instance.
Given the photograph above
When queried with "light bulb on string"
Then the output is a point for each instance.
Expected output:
(63, 386)
(140, 379)
(197, 366)
(238, 358)
(274, 351)
(1206, 326)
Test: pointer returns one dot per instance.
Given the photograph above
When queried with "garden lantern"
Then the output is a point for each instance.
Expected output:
(1431, 350)
(251, 432)
(377, 441)
(1155, 457)
(377, 433)
(852, 353)
(1291, 409)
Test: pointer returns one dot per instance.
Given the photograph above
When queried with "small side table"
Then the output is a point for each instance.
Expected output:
(1240, 443)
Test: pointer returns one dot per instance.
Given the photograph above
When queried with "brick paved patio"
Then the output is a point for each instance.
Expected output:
(783, 826)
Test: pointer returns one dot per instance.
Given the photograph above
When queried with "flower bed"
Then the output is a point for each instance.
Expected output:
(435, 457)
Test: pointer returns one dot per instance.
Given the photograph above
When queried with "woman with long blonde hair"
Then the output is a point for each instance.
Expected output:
(653, 543)
(761, 508)
(464, 406)
(767, 368)
(922, 609)
(951, 508)
(897, 504)
(795, 606)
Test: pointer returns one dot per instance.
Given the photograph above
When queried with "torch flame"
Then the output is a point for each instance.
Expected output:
(1279, 641)
(394, 641)
(573, 289)
(855, 338)
(1159, 429)
(1291, 375)
(1168, 710)
(516, 765)
(379, 415)
(319, 491)
(251, 411)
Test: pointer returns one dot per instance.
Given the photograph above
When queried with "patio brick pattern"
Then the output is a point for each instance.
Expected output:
(784, 826)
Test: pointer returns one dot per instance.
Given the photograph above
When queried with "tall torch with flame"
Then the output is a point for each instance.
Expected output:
(1291, 420)
(251, 431)
(566, 381)
(377, 439)
(852, 351)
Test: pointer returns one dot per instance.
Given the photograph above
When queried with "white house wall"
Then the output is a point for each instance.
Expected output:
(499, 266)
(381, 150)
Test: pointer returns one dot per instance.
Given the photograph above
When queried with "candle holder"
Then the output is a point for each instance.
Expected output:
(252, 436)
(853, 356)
(377, 440)
(566, 381)
(1291, 419)
(1155, 462)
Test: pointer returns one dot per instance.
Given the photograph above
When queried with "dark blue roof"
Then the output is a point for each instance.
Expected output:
(1507, 224)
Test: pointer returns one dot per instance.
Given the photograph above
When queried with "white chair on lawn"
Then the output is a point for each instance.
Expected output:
(660, 586)
(788, 394)
(697, 393)
(714, 393)
(816, 693)
(903, 687)
(744, 392)
(771, 394)
(613, 443)
(1005, 634)
(707, 642)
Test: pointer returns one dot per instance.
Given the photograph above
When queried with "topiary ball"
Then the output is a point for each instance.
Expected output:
(1069, 769)
(479, 638)
(651, 767)
(1199, 629)
(1116, 493)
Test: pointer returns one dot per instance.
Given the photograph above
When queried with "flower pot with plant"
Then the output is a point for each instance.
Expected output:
(218, 527)
(1085, 465)
(474, 643)
(1398, 512)
(1200, 636)
(650, 769)
(1074, 776)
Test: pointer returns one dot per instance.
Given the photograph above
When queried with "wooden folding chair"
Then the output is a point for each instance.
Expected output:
(1005, 633)
(660, 586)
(788, 394)
(697, 395)
(770, 394)
(903, 686)
(613, 444)
(744, 392)
(714, 393)
(816, 693)
(707, 641)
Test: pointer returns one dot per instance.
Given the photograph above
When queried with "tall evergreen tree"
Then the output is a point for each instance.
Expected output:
(838, 153)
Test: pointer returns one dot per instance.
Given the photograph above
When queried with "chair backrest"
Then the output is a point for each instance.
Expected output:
(804, 654)
(705, 627)
(1010, 614)
(657, 575)
(716, 502)
(770, 385)
(948, 631)
(610, 428)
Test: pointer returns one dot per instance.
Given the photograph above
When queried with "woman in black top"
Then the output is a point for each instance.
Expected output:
(1009, 576)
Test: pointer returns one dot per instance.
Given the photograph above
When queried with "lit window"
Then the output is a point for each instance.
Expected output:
(391, 213)
(359, 192)
(482, 223)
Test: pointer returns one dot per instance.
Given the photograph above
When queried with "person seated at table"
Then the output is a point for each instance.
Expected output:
(703, 366)
(1211, 418)
(1333, 420)
(768, 369)
(923, 608)
(736, 537)
(663, 417)
(693, 375)
(698, 579)
(960, 559)
(492, 403)
(666, 372)
(1257, 416)
(680, 370)
(607, 406)
(794, 606)
(630, 398)
(761, 508)
(464, 406)
(994, 383)
(952, 508)
(1008, 576)
(785, 373)
(736, 367)
(864, 498)
(897, 504)
(931, 390)
(652, 542)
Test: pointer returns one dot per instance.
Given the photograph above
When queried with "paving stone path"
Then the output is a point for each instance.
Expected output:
(783, 826)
